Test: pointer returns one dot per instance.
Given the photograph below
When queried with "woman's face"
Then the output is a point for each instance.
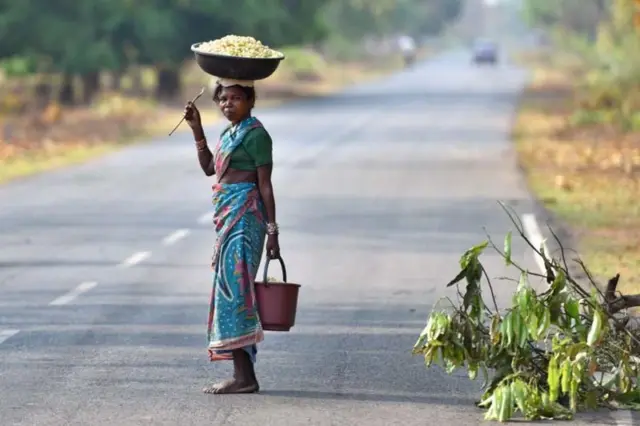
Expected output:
(234, 104)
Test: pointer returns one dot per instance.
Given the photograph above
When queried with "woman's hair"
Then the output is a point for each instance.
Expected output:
(249, 92)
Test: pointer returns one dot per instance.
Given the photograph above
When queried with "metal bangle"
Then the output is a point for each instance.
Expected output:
(272, 229)
(201, 144)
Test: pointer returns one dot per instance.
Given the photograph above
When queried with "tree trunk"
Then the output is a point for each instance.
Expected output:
(43, 94)
(90, 86)
(137, 86)
(168, 87)
(67, 95)
(116, 80)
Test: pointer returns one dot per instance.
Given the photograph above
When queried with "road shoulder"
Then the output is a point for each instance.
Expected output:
(584, 175)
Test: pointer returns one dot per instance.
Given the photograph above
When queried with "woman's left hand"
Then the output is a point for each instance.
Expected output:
(273, 247)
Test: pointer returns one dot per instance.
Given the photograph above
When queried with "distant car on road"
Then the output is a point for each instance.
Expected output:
(485, 51)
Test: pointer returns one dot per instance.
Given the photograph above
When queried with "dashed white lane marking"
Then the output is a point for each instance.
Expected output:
(532, 230)
(70, 296)
(175, 237)
(135, 258)
(7, 334)
(206, 219)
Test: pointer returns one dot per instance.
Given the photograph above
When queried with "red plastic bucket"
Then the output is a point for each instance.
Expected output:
(277, 301)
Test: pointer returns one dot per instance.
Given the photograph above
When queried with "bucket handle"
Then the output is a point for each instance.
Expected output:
(266, 269)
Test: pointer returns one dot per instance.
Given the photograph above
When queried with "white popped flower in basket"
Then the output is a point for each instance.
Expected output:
(239, 46)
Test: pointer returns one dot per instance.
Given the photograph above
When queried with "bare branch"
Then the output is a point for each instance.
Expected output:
(514, 264)
(623, 303)
(488, 342)
(612, 285)
(493, 295)
(561, 248)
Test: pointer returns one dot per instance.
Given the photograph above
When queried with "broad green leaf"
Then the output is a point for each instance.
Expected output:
(574, 385)
(533, 322)
(519, 392)
(566, 374)
(461, 275)
(507, 248)
(497, 405)
(523, 331)
(472, 254)
(559, 283)
(473, 371)
(506, 409)
(553, 378)
(572, 308)
(596, 329)
(591, 399)
(545, 323)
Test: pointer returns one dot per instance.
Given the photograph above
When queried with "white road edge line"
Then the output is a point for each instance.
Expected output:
(7, 334)
(135, 258)
(532, 230)
(70, 296)
(206, 219)
(175, 237)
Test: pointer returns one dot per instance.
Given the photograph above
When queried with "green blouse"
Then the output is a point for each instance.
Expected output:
(255, 150)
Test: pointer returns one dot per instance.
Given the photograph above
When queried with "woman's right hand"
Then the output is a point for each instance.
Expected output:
(192, 116)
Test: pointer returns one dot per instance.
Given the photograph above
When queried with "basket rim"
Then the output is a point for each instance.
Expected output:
(194, 49)
(276, 283)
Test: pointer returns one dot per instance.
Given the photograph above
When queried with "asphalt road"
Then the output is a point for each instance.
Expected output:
(379, 190)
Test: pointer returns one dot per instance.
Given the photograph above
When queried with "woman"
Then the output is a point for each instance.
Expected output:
(244, 210)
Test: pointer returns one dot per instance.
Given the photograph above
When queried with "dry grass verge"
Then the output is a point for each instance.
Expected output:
(588, 175)
(61, 136)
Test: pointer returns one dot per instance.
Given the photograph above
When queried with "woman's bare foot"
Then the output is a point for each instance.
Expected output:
(233, 386)
(244, 377)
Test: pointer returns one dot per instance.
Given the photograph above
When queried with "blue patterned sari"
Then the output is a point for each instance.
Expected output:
(240, 225)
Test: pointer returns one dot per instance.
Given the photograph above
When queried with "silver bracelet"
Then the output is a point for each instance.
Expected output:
(272, 229)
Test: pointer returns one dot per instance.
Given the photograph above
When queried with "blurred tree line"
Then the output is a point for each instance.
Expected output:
(605, 37)
(83, 39)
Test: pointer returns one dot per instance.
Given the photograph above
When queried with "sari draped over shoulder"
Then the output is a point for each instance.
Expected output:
(240, 224)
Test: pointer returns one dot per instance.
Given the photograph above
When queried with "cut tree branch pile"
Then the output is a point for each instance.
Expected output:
(549, 355)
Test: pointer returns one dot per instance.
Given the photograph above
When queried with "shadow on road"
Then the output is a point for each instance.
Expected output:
(371, 397)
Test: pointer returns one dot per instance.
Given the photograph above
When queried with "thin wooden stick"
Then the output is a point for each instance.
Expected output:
(183, 117)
